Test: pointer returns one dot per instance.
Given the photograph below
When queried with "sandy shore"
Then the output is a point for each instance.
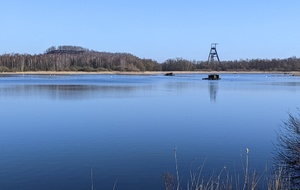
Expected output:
(294, 73)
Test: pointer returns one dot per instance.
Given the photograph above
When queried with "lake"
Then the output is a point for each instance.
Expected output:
(59, 131)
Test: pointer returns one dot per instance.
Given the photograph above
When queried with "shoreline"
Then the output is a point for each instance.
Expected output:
(293, 73)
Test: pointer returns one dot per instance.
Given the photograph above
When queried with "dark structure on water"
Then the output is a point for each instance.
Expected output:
(169, 74)
(212, 77)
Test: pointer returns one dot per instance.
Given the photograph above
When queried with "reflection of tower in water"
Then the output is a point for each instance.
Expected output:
(213, 89)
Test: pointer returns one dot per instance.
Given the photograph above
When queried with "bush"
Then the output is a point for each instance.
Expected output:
(87, 69)
(287, 150)
(4, 69)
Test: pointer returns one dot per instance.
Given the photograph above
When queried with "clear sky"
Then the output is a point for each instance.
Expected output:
(155, 29)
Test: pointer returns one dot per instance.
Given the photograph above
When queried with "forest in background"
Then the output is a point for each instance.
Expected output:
(75, 58)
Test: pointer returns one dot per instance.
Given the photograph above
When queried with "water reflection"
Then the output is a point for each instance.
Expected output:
(213, 90)
(293, 84)
(69, 92)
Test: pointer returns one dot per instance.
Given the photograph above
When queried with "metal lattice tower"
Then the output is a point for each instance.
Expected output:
(213, 54)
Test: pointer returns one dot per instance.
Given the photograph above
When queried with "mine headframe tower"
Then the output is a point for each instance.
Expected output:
(213, 54)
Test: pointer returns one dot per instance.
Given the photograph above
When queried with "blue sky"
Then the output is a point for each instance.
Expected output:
(155, 29)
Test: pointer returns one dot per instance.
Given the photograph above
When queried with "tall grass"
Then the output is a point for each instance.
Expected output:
(226, 181)
(284, 176)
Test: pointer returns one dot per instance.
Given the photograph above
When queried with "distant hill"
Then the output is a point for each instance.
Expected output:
(76, 58)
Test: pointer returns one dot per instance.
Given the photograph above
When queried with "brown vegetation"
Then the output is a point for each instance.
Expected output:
(74, 58)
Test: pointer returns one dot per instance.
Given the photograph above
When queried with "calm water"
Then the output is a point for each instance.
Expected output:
(55, 129)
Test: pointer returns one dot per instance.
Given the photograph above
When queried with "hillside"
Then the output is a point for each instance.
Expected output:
(75, 58)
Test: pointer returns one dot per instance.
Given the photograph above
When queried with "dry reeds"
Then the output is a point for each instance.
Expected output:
(225, 181)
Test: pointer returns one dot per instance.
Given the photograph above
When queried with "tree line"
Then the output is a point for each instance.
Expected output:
(75, 58)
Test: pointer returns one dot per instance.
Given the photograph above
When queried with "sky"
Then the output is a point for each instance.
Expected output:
(154, 29)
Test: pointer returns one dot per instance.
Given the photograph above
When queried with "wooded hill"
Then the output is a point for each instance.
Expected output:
(75, 58)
